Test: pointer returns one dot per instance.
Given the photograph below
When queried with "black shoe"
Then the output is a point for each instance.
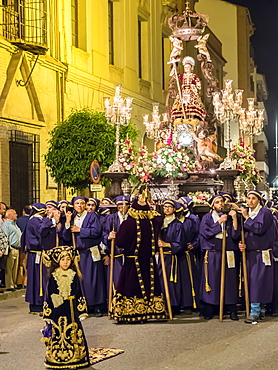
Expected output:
(274, 314)
(19, 286)
(208, 317)
(98, 313)
(10, 290)
(233, 316)
(251, 318)
(1, 291)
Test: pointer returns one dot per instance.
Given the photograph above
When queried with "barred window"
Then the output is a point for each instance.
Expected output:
(23, 23)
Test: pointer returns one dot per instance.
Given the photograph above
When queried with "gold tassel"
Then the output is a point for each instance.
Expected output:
(240, 281)
(191, 278)
(41, 292)
(174, 270)
(208, 288)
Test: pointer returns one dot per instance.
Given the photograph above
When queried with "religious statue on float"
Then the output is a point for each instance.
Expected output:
(188, 103)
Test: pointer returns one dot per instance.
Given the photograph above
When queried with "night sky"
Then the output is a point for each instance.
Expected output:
(264, 15)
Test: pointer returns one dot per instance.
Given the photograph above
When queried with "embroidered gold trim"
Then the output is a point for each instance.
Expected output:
(64, 280)
(67, 345)
(81, 304)
(46, 310)
(134, 309)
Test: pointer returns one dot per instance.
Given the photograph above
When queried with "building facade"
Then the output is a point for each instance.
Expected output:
(58, 55)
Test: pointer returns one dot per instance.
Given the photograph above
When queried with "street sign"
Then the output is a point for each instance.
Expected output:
(95, 172)
(95, 187)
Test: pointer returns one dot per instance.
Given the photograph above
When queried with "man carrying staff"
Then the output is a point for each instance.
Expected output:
(172, 240)
(51, 227)
(87, 231)
(138, 295)
(211, 241)
(259, 240)
(36, 271)
(112, 226)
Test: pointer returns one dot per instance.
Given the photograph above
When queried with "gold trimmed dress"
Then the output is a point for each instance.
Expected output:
(66, 346)
(192, 102)
(138, 295)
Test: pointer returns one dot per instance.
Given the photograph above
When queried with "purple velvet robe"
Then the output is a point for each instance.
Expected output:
(36, 270)
(190, 272)
(259, 236)
(49, 232)
(176, 264)
(93, 281)
(208, 230)
(138, 293)
(113, 222)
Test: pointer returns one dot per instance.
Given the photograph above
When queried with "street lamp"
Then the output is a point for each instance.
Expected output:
(117, 114)
(251, 120)
(227, 107)
(155, 127)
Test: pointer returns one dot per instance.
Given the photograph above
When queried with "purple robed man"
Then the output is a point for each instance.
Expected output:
(112, 226)
(36, 271)
(87, 232)
(51, 227)
(173, 242)
(259, 230)
(274, 304)
(211, 239)
(191, 274)
(138, 295)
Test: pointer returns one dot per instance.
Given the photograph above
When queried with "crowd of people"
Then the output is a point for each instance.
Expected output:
(124, 258)
(191, 247)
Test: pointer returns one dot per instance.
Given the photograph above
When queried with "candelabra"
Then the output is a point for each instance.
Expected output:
(251, 121)
(227, 107)
(155, 129)
(117, 114)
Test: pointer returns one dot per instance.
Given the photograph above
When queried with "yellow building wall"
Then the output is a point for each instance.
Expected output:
(68, 77)
(223, 22)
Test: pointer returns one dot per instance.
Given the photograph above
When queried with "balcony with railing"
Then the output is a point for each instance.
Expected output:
(23, 23)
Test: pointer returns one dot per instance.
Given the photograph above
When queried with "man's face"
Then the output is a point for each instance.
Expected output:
(168, 210)
(123, 209)
(252, 201)
(63, 207)
(12, 214)
(79, 206)
(2, 209)
(90, 206)
(218, 204)
(49, 210)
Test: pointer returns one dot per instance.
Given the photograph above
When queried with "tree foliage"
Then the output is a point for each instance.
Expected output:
(84, 136)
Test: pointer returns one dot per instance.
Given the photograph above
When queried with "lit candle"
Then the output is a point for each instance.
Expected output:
(145, 118)
(106, 102)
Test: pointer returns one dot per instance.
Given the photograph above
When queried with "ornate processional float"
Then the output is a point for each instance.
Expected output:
(185, 155)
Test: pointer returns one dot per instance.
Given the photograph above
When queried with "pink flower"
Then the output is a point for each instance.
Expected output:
(127, 141)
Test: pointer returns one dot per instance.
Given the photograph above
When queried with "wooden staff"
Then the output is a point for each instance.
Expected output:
(223, 269)
(166, 288)
(244, 267)
(111, 275)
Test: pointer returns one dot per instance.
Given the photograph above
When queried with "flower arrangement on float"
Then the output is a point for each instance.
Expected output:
(245, 162)
(173, 160)
(199, 197)
(138, 163)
